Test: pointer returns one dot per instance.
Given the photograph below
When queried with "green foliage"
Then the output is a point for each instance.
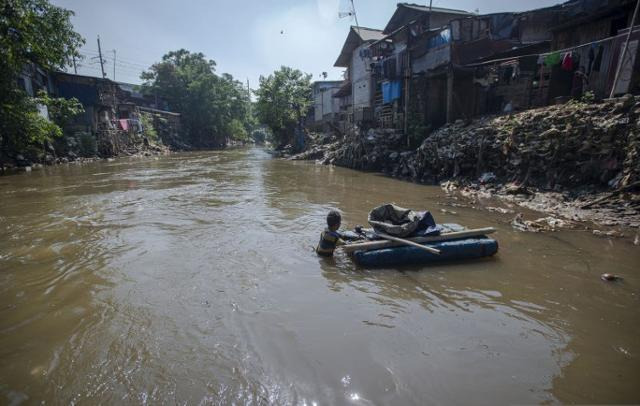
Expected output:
(588, 97)
(148, 129)
(61, 110)
(31, 31)
(38, 129)
(22, 124)
(283, 99)
(237, 131)
(207, 102)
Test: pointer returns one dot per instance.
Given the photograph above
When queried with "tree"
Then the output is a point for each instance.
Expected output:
(210, 105)
(32, 31)
(283, 99)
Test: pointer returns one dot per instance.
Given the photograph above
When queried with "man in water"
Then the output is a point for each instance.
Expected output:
(330, 238)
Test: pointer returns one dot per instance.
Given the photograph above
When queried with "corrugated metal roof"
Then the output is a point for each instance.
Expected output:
(368, 34)
(406, 12)
(356, 36)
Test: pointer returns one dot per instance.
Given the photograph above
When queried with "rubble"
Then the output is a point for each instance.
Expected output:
(541, 224)
(500, 210)
(610, 233)
(579, 161)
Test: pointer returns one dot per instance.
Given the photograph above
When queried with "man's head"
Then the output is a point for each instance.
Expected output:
(333, 220)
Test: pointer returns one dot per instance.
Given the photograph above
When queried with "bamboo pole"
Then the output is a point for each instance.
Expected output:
(624, 51)
(376, 245)
(407, 242)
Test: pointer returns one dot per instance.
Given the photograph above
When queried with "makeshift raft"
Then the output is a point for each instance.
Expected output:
(444, 242)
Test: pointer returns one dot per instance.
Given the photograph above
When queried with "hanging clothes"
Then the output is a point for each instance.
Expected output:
(391, 90)
(396, 89)
(598, 61)
(507, 74)
(567, 62)
(385, 87)
(592, 56)
(124, 124)
(552, 59)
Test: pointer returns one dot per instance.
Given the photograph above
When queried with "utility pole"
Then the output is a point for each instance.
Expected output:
(75, 68)
(101, 61)
(624, 51)
(114, 65)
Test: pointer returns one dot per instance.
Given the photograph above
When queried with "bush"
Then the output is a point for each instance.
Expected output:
(148, 129)
(237, 131)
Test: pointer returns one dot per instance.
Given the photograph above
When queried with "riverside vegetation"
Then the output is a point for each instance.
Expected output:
(214, 108)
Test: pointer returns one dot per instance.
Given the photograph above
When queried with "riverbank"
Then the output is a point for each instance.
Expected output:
(578, 162)
(49, 157)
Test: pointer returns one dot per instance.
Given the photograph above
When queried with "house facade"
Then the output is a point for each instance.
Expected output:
(112, 111)
(325, 106)
(356, 93)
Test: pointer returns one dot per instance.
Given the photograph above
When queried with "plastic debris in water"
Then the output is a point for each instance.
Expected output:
(609, 277)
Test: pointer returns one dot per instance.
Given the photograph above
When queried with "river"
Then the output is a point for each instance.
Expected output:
(191, 279)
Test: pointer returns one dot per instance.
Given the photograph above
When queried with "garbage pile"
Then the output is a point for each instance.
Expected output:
(564, 146)
(318, 146)
(376, 149)
(558, 147)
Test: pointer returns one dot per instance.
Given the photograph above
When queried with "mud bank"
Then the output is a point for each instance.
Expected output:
(578, 161)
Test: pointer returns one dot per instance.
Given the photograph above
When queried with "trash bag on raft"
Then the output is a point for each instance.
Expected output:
(400, 222)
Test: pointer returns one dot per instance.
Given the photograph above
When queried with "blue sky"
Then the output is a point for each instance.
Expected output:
(247, 38)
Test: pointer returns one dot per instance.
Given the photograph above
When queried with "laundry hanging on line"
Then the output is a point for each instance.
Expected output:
(391, 90)
(552, 59)
(124, 124)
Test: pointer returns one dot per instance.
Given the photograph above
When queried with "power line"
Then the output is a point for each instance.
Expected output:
(126, 61)
(89, 52)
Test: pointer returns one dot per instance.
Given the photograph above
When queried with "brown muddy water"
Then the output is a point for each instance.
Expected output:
(190, 279)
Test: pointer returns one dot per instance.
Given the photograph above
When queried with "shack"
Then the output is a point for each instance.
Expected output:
(326, 107)
(390, 58)
(357, 75)
(113, 112)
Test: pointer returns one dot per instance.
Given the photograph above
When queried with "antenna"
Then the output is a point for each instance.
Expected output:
(353, 7)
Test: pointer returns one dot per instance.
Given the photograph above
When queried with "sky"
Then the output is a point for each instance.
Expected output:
(246, 38)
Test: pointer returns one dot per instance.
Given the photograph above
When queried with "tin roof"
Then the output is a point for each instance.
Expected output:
(356, 37)
(406, 12)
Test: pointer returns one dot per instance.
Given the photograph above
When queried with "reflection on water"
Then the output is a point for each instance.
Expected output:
(191, 278)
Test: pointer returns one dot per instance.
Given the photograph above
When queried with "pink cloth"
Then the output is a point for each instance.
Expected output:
(124, 123)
